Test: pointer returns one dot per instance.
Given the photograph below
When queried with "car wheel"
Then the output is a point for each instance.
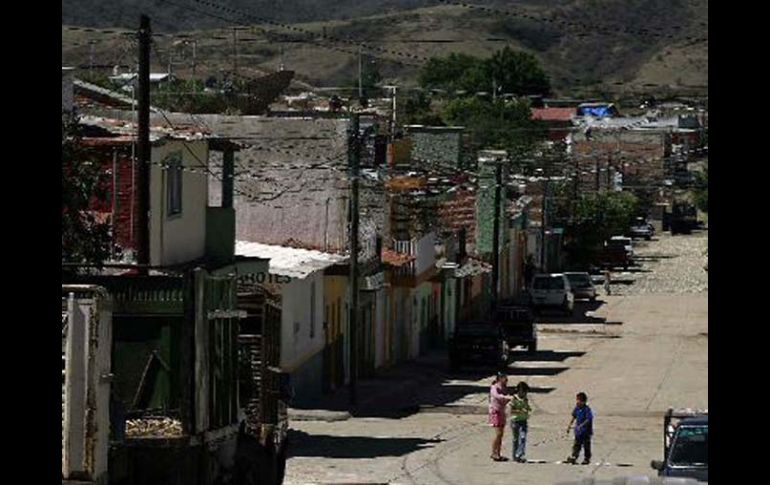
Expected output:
(593, 298)
(532, 348)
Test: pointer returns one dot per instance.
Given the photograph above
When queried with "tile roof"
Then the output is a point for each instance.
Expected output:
(553, 114)
(291, 262)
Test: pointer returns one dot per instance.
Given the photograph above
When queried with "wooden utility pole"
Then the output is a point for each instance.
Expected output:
(354, 152)
(143, 143)
(360, 73)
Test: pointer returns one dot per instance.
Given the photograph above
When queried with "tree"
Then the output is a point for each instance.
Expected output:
(497, 124)
(516, 72)
(508, 71)
(590, 220)
(85, 239)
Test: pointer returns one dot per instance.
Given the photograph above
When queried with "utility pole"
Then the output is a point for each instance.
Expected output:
(360, 73)
(354, 152)
(393, 128)
(496, 234)
(542, 224)
(143, 143)
(235, 50)
(598, 175)
(194, 44)
(91, 57)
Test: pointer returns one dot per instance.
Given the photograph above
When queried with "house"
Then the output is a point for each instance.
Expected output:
(557, 120)
(182, 223)
(296, 278)
(413, 304)
(175, 324)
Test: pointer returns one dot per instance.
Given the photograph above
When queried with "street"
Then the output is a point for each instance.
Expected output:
(636, 353)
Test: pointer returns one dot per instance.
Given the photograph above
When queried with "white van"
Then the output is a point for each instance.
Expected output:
(552, 291)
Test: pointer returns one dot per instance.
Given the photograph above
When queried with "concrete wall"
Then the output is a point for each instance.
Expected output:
(441, 145)
(426, 254)
(181, 237)
(301, 338)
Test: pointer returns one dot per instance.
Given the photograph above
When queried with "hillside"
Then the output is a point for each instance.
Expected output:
(621, 43)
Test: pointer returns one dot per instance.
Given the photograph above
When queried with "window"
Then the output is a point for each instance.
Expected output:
(173, 164)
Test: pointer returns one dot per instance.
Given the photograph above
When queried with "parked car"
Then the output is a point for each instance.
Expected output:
(518, 323)
(685, 445)
(480, 342)
(643, 229)
(613, 256)
(582, 285)
(624, 242)
(552, 291)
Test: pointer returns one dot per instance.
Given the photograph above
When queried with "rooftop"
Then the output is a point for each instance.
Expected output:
(553, 114)
(125, 131)
(286, 261)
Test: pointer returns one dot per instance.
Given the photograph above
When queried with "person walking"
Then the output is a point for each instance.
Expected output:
(497, 401)
(520, 410)
(607, 281)
(584, 429)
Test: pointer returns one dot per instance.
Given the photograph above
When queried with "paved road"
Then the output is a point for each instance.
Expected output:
(650, 356)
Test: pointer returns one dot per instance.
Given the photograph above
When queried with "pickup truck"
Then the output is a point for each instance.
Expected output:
(685, 445)
(482, 342)
(518, 324)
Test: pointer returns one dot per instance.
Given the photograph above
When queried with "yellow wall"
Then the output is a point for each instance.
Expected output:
(335, 296)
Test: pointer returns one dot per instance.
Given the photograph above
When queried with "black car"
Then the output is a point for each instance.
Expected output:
(685, 445)
(480, 342)
(518, 324)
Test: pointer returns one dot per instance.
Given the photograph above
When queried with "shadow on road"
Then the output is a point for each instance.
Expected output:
(304, 444)
(581, 314)
(545, 356)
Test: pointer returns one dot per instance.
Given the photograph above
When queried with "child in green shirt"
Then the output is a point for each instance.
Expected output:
(520, 410)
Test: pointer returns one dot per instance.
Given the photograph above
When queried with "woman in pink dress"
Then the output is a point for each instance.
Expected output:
(497, 401)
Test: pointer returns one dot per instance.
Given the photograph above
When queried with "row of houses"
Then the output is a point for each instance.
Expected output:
(272, 193)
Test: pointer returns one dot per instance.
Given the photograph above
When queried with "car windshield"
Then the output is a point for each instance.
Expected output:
(691, 446)
(549, 283)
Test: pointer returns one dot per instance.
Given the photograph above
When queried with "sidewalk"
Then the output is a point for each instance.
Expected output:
(393, 393)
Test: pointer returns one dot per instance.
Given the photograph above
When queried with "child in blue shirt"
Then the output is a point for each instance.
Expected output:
(584, 429)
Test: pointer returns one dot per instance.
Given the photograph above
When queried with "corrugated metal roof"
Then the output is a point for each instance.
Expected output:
(291, 262)
(125, 128)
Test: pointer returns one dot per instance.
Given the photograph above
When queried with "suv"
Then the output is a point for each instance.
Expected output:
(518, 323)
(552, 291)
(483, 342)
(685, 445)
(582, 286)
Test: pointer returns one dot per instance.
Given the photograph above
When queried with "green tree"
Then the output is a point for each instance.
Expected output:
(85, 239)
(516, 72)
(590, 219)
(497, 124)
(509, 71)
